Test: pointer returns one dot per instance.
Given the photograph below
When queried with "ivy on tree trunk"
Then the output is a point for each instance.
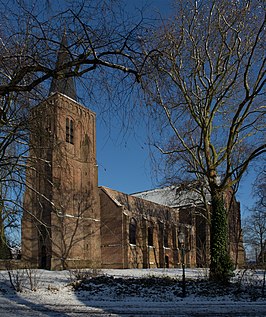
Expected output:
(221, 266)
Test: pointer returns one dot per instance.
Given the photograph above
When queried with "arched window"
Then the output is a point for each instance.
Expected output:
(174, 237)
(69, 131)
(150, 236)
(165, 237)
(166, 262)
(133, 231)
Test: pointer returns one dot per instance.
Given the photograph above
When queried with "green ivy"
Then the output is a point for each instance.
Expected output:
(221, 268)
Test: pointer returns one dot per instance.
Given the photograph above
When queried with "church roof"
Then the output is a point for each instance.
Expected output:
(63, 84)
(136, 204)
(170, 196)
(173, 196)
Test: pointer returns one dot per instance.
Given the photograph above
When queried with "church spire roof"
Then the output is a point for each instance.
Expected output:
(62, 84)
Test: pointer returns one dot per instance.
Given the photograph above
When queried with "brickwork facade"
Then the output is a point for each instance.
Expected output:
(61, 222)
(140, 234)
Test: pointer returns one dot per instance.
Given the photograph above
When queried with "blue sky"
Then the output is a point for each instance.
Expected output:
(124, 164)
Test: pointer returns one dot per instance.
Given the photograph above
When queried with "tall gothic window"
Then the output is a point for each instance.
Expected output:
(174, 237)
(133, 231)
(165, 237)
(150, 236)
(69, 131)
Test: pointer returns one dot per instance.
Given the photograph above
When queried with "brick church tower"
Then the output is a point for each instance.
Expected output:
(61, 220)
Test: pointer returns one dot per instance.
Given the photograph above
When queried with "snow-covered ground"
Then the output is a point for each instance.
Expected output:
(153, 292)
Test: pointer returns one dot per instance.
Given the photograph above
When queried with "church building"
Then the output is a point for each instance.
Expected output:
(70, 222)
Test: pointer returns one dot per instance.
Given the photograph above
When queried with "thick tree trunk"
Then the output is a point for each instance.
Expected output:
(221, 266)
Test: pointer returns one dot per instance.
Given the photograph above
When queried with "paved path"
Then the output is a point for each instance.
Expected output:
(18, 306)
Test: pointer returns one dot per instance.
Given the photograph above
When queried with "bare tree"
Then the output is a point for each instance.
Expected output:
(205, 84)
(260, 188)
(255, 231)
(255, 224)
(12, 158)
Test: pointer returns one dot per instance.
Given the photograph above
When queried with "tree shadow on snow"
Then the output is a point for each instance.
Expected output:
(13, 304)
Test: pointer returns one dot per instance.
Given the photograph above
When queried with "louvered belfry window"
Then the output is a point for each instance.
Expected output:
(69, 131)
(150, 236)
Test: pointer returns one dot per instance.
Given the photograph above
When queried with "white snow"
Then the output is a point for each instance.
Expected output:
(172, 196)
(55, 296)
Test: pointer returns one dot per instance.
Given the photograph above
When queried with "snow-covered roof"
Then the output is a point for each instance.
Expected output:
(172, 196)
